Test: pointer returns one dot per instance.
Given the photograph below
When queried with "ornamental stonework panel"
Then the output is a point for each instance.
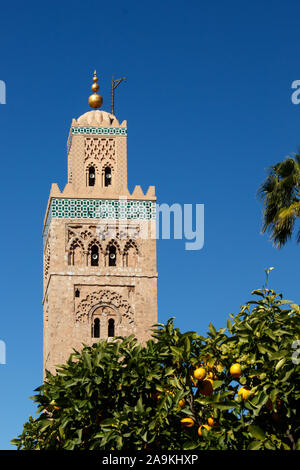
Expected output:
(104, 298)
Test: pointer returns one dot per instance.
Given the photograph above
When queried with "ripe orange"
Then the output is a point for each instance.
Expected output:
(206, 387)
(235, 370)
(200, 373)
(206, 426)
(211, 421)
(182, 403)
(244, 392)
(187, 422)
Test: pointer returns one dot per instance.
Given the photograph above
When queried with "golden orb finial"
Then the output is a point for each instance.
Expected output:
(95, 100)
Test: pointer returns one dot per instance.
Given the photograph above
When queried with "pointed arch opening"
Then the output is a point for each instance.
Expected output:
(96, 328)
(112, 256)
(111, 327)
(107, 176)
(94, 255)
(92, 176)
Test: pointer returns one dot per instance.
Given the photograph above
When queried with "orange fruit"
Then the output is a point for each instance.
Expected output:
(206, 426)
(244, 392)
(235, 370)
(211, 421)
(182, 403)
(200, 373)
(187, 422)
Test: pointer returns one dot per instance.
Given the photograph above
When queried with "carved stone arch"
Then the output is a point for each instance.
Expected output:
(131, 244)
(107, 165)
(112, 249)
(76, 252)
(75, 241)
(130, 254)
(92, 164)
(105, 307)
(92, 242)
(90, 247)
(114, 243)
(104, 298)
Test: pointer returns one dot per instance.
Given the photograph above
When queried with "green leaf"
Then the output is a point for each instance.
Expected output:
(257, 292)
(225, 406)
(139, 405)
(257, 432)
(295, 307)
(108, 422)
(212, 329)
(263, 350)
(217, 383)
(278, 355)
(254, 445)
(188, 445)
(280, 363)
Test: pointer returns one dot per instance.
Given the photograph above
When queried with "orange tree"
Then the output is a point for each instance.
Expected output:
(237, 388)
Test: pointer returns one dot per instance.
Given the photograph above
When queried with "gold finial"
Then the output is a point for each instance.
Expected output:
(95, 100)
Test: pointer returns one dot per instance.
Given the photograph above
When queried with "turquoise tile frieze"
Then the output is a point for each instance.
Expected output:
(95, 131)
(113, 209)
(100, 130)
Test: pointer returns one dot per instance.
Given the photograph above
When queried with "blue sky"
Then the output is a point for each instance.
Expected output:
(208, 89)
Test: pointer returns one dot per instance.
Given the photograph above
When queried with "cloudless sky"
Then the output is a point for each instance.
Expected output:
(208, 105)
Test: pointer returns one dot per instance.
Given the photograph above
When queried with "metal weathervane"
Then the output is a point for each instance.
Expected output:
(114, 85)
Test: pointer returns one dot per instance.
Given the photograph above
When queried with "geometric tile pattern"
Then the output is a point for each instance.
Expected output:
(100, 130)
(113, 209)
(96, 130)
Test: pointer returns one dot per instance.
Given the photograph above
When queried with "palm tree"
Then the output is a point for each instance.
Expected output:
(281, 195)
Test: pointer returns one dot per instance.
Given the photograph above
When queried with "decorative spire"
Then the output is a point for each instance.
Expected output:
(95, 100)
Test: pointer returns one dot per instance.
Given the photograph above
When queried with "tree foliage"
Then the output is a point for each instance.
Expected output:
(281, 195)
(122, 395)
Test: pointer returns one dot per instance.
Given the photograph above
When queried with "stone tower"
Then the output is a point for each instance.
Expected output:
(100, 272)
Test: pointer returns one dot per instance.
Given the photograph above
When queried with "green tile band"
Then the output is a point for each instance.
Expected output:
(100, 130)
(95, 131)
(113, 209)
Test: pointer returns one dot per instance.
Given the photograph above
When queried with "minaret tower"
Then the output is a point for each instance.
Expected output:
(100, 272)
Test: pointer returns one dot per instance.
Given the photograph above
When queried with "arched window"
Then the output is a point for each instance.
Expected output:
(111, 327)
(95, 256)
(112, 256)
(92, 176)
(96, 328)
(107, 176)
